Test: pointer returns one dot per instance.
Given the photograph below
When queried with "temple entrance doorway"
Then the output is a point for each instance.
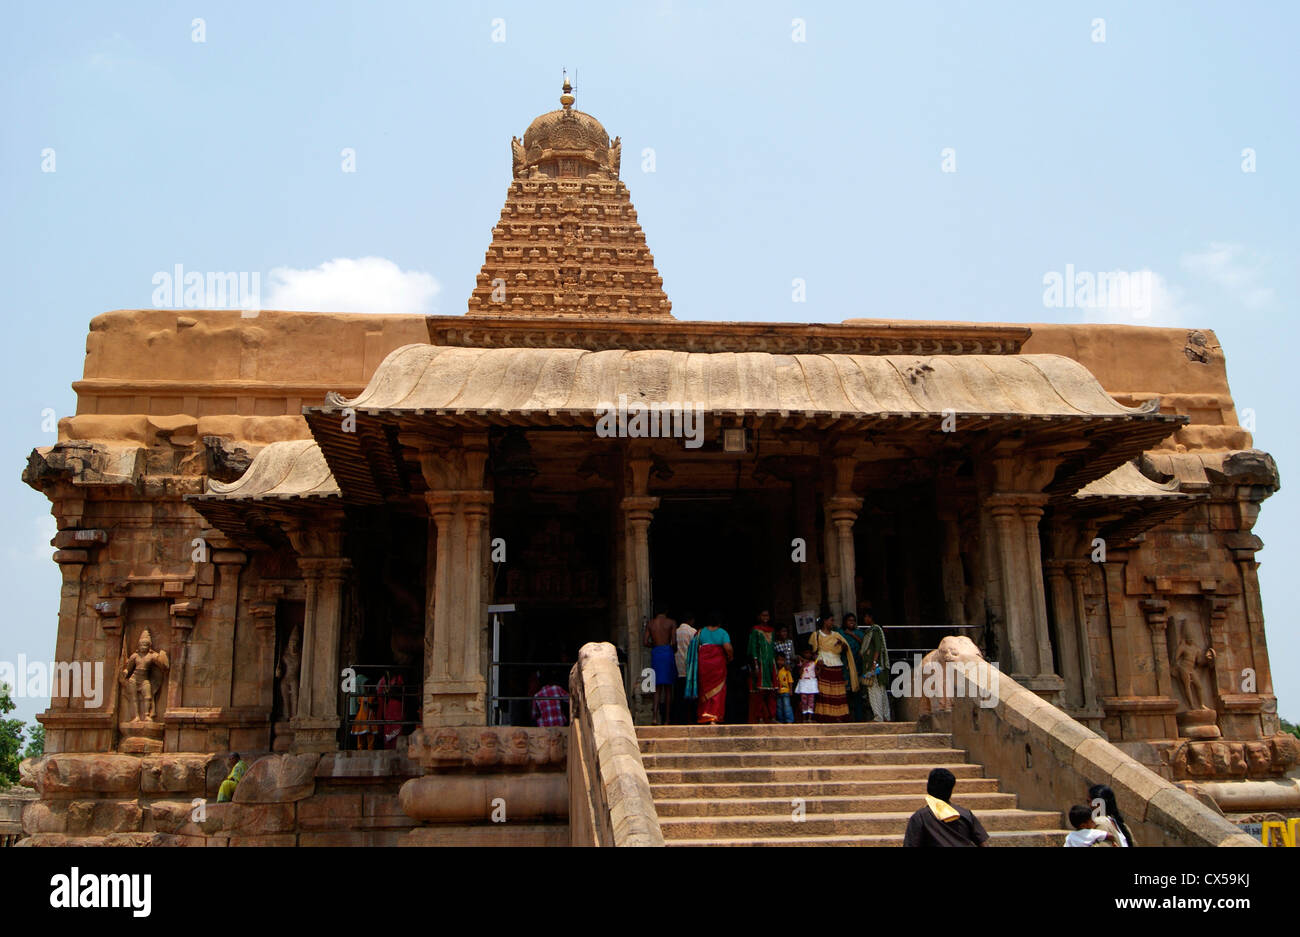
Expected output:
(725, 555)
(557, 571)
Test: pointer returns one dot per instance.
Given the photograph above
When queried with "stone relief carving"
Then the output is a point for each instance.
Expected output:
(489, 746)
(143, 677)
(1188, 660)
(287, 671)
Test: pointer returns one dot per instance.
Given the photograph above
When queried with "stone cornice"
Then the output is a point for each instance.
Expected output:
(599, 334)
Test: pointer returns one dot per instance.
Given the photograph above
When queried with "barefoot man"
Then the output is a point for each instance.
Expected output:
(659, 633)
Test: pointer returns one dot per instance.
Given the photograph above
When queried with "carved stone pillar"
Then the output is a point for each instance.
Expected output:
(1020, 654)
(1157, 615)
(225, 604)
(1077, 570)
(319, 545)
(459, 504)
(1031, 514)
(455, 692)
(1117, 616)
(842, 512)
(315, 728)
(1067, 631)
(639, 512)
(954, 578)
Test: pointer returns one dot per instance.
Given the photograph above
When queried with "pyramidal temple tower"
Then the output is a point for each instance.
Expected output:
(568, 242)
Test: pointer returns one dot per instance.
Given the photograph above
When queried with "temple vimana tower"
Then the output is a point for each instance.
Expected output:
(351, 548)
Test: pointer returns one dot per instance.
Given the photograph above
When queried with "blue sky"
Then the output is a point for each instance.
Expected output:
(773, 159)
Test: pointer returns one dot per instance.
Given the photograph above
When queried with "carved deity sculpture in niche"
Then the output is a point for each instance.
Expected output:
(1187, 659)
(287, 671)
(143, 676)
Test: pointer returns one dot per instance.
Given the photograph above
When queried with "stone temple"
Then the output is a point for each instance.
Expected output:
(349, 546)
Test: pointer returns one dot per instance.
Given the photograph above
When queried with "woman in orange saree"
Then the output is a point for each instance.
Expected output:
(706, 672)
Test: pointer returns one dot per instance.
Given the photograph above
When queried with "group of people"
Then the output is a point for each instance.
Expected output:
(942, 823)
(839, 675)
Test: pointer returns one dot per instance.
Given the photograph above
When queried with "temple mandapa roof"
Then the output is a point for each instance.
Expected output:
(431, 378)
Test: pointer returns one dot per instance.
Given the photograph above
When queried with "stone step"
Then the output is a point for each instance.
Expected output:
(795, 743)
(778, 826)
(1014, 838)
(703, 774)
(812, 788)
(818, 757)
(798, 728)
(816, 805)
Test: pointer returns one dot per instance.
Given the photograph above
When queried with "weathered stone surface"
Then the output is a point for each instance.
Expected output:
(45, 817)
(71, 774)
(176, 773)
(278, 779)
(1194, 823)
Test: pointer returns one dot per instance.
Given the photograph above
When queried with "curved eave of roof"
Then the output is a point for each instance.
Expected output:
(282, 471)
(437, 378)
(1128, 483)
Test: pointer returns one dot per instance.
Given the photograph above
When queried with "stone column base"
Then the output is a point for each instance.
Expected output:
(315, 735)
(1048, 685)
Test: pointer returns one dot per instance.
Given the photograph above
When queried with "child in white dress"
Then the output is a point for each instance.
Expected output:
(807, 685)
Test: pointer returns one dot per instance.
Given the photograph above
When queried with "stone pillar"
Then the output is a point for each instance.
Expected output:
(1067, 631)
(1015, 606)
(455, 612)
(1031, 514)
(455, 691)
(315, 728)
(1016, 516)
(954, 578)
(1077, 570)
(225, 605)
(842, 513)
(638, 508)
(1157, 616)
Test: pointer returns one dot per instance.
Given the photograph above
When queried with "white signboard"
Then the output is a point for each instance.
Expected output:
(805, 622)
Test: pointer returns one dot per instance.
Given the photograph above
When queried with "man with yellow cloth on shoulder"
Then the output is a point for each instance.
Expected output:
(939, 823)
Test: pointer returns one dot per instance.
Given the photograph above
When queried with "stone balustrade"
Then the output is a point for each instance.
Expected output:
(609, 794)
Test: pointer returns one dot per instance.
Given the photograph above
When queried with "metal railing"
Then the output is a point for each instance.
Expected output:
(374, 731)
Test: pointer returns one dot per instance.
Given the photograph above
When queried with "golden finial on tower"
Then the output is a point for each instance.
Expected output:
(567, 97)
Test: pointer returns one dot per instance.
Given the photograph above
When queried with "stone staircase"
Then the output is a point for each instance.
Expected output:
(735, 785)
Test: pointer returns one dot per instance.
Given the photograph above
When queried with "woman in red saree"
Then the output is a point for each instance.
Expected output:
(706, 672)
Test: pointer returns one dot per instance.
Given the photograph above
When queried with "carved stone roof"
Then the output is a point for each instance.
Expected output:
(1128, 482)
(287, 481)
(1126, 503)
(292, 469)
(439, 378)
(1039, 398)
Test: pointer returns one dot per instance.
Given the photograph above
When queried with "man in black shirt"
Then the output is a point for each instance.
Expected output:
(939, 823)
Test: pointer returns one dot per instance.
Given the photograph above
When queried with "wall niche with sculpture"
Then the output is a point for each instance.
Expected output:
(287, 671)
(143, 677)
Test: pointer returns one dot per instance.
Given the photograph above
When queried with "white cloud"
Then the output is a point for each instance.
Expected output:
(365, 284)
(1234, 269)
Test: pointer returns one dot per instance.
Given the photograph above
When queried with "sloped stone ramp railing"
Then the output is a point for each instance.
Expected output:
(609, 796)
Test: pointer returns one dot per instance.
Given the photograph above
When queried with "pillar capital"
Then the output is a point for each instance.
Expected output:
(639, 508)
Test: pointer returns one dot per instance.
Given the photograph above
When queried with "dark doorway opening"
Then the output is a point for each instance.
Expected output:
(724, 555)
